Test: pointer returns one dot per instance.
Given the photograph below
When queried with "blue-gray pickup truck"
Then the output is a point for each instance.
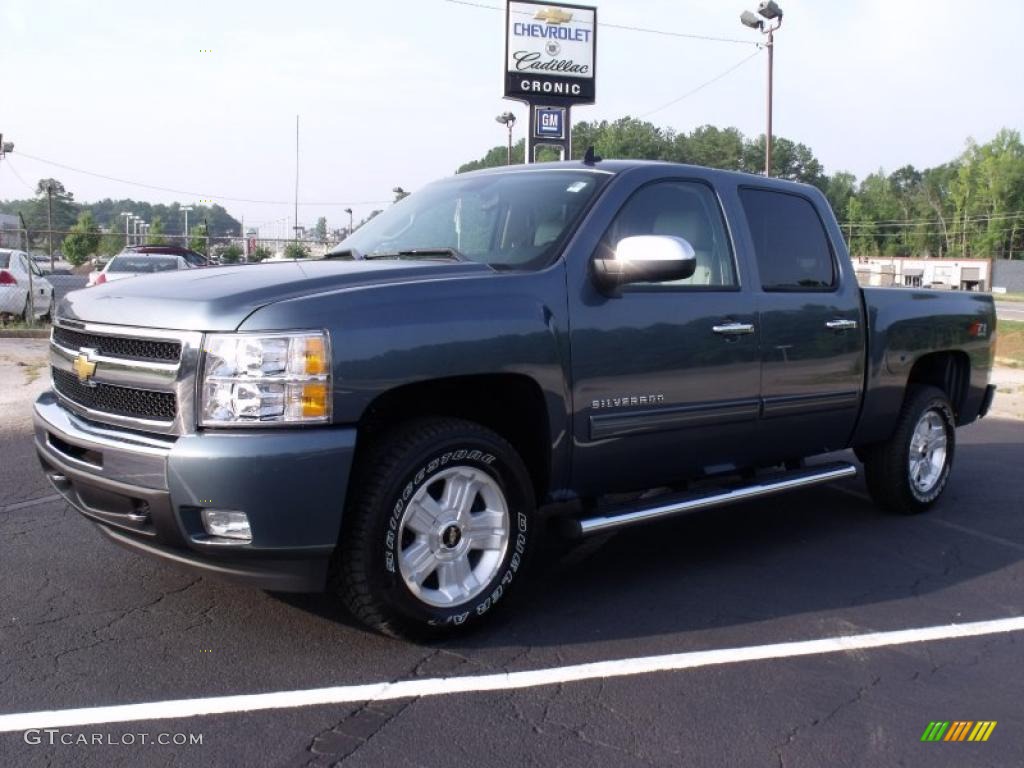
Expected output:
(598, 344)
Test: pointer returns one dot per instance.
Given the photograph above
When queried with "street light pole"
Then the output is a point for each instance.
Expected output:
(186, 209)
(349, 212)
(771, 11)
(127, 217)
(508, 120)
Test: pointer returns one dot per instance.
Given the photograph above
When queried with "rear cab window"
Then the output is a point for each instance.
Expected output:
(143, 264)
(792, 248)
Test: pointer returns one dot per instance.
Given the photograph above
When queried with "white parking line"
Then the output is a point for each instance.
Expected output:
(346, 694)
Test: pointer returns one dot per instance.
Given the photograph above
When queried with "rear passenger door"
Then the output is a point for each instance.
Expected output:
(810, 323)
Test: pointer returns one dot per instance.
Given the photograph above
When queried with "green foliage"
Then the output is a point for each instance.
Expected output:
(261, 253)
(231, 254)
(155, 236)
(83, 241)
(321, 229)
(197, 238)
(296, 250)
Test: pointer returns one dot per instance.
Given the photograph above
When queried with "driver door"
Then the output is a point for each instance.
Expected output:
(666, 376)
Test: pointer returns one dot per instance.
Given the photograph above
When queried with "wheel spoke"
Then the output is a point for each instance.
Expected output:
(424, 514)
(485, 530)
(419, 561)
(456, 578)
(460, 492)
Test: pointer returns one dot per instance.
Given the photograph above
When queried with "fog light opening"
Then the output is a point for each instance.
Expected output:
(227, 524)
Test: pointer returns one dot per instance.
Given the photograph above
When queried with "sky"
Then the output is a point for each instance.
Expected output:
(202, 96)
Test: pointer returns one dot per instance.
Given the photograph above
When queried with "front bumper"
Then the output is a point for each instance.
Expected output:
(147, 493)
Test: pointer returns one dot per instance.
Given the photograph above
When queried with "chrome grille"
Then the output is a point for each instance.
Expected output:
(143, 378)
(119, 401)
(119, 346)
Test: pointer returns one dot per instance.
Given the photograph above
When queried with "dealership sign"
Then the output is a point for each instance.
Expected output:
(550, 52)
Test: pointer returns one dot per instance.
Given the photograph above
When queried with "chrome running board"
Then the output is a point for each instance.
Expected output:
(622, 517)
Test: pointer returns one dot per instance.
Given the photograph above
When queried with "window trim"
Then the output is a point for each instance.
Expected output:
(730, 242)
(836, 273)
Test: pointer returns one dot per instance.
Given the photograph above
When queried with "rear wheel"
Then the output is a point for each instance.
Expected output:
(908, 473)
(437, 530)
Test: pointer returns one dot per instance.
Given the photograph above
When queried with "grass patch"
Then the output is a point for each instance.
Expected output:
(1010, 342)
(1008, 296)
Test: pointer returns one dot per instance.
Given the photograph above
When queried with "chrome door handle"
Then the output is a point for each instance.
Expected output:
(733, 329)
(841, 325)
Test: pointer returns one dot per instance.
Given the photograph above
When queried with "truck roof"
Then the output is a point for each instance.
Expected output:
(616, 167)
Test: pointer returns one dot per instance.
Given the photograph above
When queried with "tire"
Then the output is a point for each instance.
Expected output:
(48, 317)
(418, 557)
(908, 473)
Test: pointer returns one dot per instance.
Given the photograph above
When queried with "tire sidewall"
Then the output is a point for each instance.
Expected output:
(420, 469)
(940, 406)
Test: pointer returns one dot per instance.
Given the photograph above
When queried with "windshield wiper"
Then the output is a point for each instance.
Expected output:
(416, 253)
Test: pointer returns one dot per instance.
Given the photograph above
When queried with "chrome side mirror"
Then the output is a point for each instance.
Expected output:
(646, 259)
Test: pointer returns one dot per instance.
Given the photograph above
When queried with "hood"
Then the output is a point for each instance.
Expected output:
(220, 298)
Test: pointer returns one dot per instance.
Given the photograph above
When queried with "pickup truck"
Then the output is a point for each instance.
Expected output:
(580, 345)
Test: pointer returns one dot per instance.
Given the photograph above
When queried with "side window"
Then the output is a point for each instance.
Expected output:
(792, 249)
(681, 209)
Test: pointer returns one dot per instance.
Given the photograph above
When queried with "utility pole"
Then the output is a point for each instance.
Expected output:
(49, 220)
(206, 231)
(296, 220)
(349, 212)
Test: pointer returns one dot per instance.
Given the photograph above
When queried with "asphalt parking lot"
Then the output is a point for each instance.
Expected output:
(84, 624)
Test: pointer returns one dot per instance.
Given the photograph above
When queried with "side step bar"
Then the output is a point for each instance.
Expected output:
(788, 481)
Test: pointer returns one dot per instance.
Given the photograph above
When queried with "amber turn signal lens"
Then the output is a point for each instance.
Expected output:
(314, 400)
(314, 356)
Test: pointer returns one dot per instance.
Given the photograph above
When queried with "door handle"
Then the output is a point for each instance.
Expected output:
(841, 325)
(733, 329)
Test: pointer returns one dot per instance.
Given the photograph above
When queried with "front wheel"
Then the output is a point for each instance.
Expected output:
(908, 473)
(438, 529)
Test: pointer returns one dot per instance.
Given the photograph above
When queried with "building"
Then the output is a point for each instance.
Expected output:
(940, 274)
(10, 231)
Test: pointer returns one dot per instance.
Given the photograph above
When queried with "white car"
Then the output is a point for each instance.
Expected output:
(135, 264)
(14, 282)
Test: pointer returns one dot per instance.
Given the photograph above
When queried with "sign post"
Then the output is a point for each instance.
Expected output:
(550, 62)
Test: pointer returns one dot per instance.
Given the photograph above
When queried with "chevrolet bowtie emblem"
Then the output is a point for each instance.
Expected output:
(84, 367)
(553, 16)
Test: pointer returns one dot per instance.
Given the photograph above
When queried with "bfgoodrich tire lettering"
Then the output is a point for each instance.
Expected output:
(486, 529)
(908, 473)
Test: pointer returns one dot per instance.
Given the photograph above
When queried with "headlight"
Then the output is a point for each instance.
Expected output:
(260, 379)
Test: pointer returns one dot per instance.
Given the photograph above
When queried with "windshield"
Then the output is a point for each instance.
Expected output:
(508, 220)
(143, 264)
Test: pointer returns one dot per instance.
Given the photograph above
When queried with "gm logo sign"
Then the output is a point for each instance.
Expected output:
(549, 122)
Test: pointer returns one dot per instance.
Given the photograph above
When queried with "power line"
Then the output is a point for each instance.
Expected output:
(192, 193)
(702, 86)
(7, 162)
(952, 220)
(664, 32)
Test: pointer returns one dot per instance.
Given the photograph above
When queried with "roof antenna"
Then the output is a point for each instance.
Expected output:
(590, 158)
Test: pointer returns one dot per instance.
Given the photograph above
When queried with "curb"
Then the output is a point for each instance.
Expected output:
(25, 333)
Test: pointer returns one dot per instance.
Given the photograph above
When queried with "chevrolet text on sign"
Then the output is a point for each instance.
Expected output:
(550, 52)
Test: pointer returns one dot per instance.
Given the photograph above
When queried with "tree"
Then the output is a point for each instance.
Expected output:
(261, 253)
(197, 238)
(156, 232)
(231, 254)
(83, 240)
(321, 229)
(296, 250)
